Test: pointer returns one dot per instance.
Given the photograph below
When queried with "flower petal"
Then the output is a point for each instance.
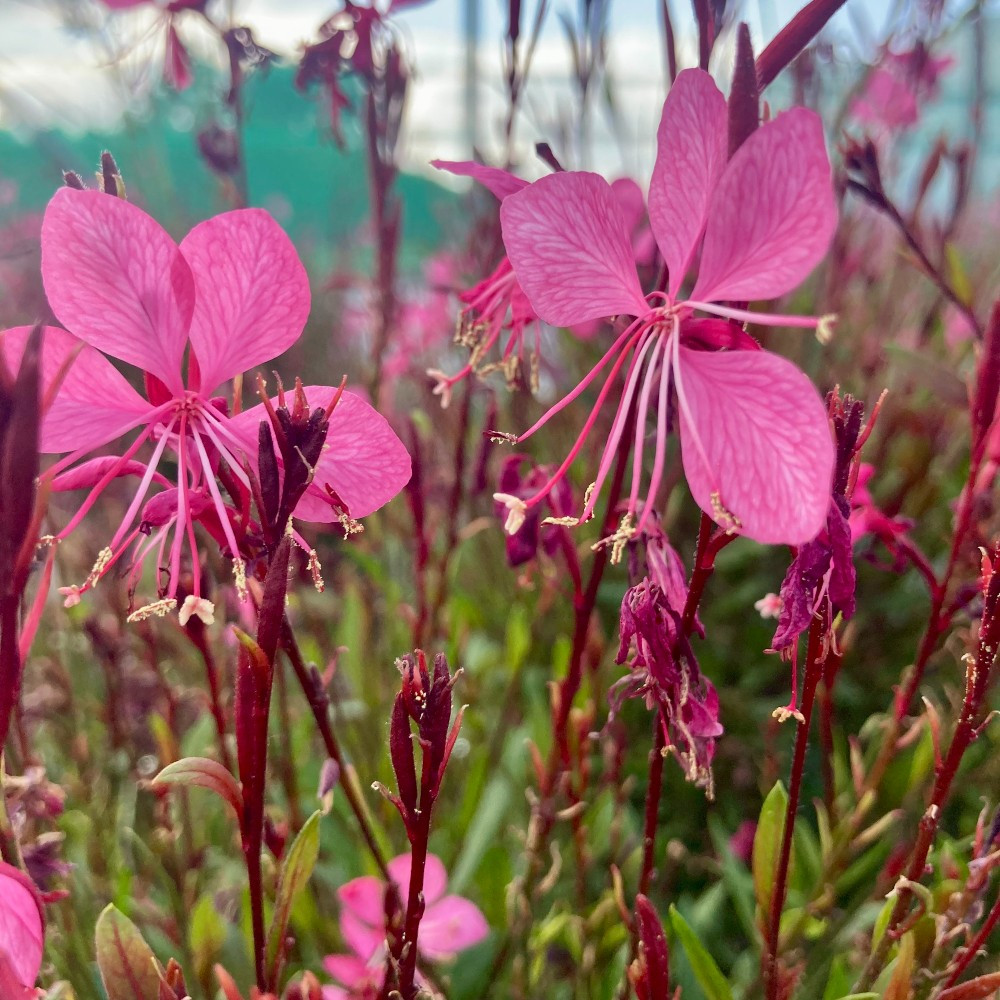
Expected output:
(449, 926)
(252, 293)
(772, 215)
(117, 280)
(499, 182)
(690, 156)
(364, 462)
(435, 876)
(566, 239)
(94, 403)
(761, 426)
(363, 939)
(21, 929)
(365, 898)
(347, 969)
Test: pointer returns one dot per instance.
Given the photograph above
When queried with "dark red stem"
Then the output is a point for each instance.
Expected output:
(793, 38)
(814, 671)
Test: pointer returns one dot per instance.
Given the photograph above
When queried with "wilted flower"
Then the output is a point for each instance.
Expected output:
(663, 669)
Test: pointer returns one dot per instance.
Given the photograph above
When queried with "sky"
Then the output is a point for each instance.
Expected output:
(51, 75)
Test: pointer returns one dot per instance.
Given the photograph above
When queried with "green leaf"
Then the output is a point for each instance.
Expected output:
(767, 845)
(203, 773)
(295, 872)
(710, 978)
(129, 969)
(206, 936)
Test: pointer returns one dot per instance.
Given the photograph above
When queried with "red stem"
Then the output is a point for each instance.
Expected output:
(652, 806)
(814, 671)
(793, 38)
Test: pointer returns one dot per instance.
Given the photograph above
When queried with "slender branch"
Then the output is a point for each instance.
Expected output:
(319, 704)
(815, 657)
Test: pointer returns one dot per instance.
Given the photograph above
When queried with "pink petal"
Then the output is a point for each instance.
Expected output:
(365, 898)
(21, 930)
(362, 938)
(435, 877)
(499, 182)
(117, 280)
(88, 474)
(764, 432)
(449, 926)
(691, 148)
(364, 462)
(566, 238)
(94, 403)
(773, 213)
(11, 988)
(252, 296)
(335, 993)
(630, 200)
(347, 969)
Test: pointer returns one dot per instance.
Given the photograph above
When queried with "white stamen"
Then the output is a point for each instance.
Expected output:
(157, 608)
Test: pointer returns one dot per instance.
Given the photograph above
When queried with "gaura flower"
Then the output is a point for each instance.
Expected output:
(497, 307)
(755, 443)
(450, 924)
(233, 295)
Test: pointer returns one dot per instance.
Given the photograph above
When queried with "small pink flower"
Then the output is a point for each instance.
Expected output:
(450, 924)
(755, 442)
(232, 296)
(896, 89)
(21, 934)
(496, 308)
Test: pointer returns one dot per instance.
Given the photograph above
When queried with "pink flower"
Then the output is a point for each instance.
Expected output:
(450, 924)
(232, 296)
(495, 308)
(895, 90)
(755, 443)
(21, 934)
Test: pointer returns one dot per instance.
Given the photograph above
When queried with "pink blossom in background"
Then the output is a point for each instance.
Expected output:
(755, 442)
(233, 295)
(496, 307)
(450, 924)
(21, 934)
(896, 89)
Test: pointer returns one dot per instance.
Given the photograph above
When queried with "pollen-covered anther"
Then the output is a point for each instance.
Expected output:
(824, 328)
(240, 578)
(350, 526)
(502, 437)
(155, 610)
(199, 607)
(46, 540)
(100, 565)
(563, 522)
(442, 386)
(618, 539)
(724, 518)
(516, 511)
(786, 712)
(316, 571)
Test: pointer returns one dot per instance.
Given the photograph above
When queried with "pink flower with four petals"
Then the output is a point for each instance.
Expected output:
(233, 295)
(755, 443)
(450, 924)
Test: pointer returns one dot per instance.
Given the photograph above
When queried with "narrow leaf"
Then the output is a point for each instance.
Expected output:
(295, 872)
(767, 844)
(129, 969)
(711, 980)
